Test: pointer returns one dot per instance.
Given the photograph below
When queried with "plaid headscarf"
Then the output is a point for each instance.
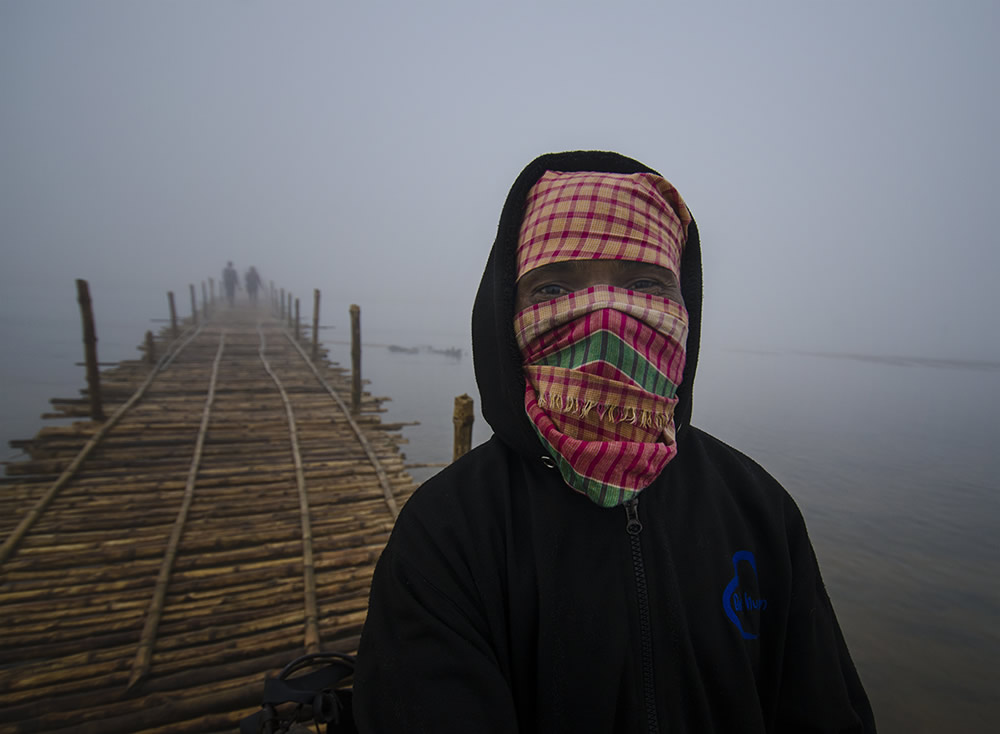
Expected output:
(602, 216)
(602, 365)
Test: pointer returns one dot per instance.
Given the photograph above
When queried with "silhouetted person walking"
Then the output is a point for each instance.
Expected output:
(231, 281)
(252, 282)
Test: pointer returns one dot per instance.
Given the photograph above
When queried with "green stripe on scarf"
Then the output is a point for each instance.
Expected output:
(601, 493)
(605, 346)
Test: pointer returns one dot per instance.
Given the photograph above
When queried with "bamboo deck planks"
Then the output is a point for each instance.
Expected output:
(78, 583)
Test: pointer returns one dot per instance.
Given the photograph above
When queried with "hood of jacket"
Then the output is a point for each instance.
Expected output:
(496, 357)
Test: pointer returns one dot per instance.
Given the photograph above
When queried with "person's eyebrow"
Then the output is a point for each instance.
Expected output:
(550, 269)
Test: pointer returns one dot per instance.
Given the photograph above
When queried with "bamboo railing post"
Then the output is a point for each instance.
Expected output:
(463, 419)
(272, 294)
(211, 290)
(204, 300)
(281, 312)
(315, 344)
(90, 350)
(173, 314)
(194, 305)
(150, 348)
(298, 333)
(289, 311)
(355, 311)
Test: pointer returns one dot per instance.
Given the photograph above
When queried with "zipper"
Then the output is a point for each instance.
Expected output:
(633, 527)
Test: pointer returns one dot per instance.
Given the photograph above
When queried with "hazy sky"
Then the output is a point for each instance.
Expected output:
(840, 157)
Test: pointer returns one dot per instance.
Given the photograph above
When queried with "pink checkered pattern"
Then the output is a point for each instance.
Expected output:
(589, 397)
(602, 216)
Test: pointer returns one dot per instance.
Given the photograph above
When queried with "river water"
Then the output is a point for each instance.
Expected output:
(894, 464)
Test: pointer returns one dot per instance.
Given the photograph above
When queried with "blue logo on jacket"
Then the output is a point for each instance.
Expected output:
(737, 602)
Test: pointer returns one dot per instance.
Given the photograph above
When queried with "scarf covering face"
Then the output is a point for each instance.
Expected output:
(602, 365)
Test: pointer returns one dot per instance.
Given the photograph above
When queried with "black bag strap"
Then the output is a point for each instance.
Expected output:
(316, 689)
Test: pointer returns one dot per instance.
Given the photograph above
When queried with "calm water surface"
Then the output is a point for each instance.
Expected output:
(894, 467)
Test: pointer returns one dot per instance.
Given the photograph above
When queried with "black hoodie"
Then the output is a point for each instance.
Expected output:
(506, 602)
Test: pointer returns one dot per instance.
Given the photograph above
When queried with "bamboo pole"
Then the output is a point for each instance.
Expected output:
(289, 311)
(194, 305)
(281, 312)
(355, 312)
(144, 652)
(272, 294)
(308, 568)
(211, 290)
(383, 478)
(463, 419)
(315, 340)
(298, 331)
(12, 540)
(90, 350)
(173, 315)
(150, 348)
(204, 300)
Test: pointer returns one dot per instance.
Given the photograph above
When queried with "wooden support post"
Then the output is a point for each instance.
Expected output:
(204, 300)
(298, 333)
(355, 358)
(315, 349)
(194, 305)
(90, 350)
(463, 419)
(281, 313)
(173, 315)
(211, 290)
(150, 348)
(289, 311)
(272, 294)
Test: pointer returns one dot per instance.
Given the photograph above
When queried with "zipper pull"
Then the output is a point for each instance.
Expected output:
(633, 526)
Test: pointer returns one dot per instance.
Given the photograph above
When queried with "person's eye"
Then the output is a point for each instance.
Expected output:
(549, 291)
(647, 285)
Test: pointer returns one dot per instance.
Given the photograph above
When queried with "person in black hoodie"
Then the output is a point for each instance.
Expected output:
(600, 564)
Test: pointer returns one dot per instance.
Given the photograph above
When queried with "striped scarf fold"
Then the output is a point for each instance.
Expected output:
(602, 368)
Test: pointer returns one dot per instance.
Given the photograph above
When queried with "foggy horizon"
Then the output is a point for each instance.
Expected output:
(836, 157)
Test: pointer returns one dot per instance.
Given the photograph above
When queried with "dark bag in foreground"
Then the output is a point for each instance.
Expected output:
(309, 698)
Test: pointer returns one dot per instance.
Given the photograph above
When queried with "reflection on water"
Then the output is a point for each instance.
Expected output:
(892, 463)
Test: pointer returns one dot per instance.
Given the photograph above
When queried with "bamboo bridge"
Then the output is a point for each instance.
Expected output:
(222, 519)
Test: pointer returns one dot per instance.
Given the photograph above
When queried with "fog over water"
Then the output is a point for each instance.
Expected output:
(839, 159)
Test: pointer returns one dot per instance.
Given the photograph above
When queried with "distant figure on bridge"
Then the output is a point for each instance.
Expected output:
(231, 280)
(252, 281)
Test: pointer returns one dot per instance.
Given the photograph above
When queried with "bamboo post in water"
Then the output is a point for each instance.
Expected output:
(463, 419)
(355, 358)
(194, 305)
(150, 348)
(315, 349)
(297, 332)
(204, 300)
(90, 349)
(173, 314)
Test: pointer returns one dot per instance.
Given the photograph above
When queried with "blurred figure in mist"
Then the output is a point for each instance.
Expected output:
(231, 281)
(252, 282)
